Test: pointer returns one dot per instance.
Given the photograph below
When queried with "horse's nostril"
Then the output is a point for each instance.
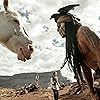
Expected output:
(20, 48)
(28, 58)
(31, 48)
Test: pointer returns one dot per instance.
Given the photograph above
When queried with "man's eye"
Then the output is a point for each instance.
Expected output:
(59, 26)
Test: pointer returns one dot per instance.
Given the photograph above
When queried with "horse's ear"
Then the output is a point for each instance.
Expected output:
(5, 4)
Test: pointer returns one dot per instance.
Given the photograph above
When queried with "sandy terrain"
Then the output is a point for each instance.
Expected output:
(45, 94)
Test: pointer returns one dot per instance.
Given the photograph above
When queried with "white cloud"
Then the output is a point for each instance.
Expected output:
(46, 57)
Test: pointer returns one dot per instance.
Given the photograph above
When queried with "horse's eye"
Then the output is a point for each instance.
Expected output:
(16, 21)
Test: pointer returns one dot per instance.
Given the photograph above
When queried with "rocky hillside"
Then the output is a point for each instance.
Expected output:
(66, 93)
(19, 80)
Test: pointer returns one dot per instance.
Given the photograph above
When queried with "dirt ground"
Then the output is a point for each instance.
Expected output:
(65, 93)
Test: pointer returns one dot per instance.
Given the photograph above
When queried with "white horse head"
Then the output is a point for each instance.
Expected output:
(13, 34)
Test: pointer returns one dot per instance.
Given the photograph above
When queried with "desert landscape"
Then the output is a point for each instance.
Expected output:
(11, 88)
(66, 93)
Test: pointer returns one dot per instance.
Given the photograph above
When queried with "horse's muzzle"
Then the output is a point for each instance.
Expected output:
(25, 53)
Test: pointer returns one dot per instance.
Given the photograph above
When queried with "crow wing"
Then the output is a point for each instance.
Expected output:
(66, 9)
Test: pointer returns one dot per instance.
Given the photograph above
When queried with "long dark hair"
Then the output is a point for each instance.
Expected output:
(73, 55)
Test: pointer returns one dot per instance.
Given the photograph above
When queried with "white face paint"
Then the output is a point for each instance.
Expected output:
(61, 29)
(61, 24)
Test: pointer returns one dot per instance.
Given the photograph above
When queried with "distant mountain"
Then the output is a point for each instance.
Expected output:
(19, 80)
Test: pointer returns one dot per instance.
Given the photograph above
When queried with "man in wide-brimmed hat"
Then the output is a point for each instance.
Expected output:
(55, 85)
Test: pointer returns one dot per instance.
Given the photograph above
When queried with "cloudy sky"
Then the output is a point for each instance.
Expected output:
(49, 46)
